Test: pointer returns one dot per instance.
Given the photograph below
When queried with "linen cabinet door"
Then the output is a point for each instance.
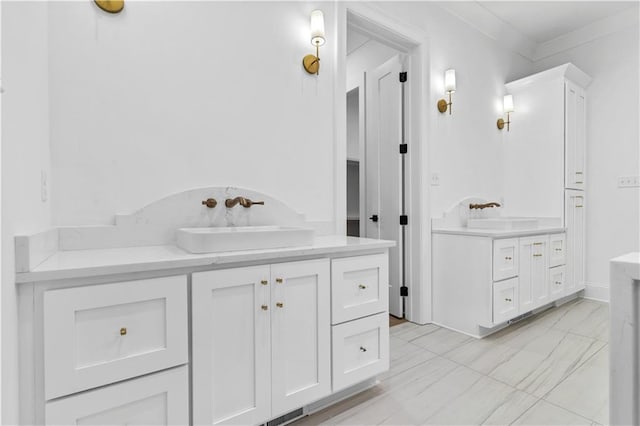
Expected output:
(574, 222)
(231, 346)
(540, 271)
(157, 399)
(575, 136)
(300, 329)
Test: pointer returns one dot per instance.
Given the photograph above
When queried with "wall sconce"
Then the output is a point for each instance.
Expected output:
(311, 63)
(508, 108)
(111, 6)
(449, 88)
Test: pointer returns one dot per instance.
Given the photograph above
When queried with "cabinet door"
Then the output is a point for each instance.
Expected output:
(300, 330)
(505, 259)
(575, 136)
(574, 222)
(157, 399)
(231, 346)
(534, 285)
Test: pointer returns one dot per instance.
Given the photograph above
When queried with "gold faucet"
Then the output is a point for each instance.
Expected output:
(484, 206)
(244, 202)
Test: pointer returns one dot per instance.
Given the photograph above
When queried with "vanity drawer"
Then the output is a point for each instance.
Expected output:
(557, 250)
(556, 282)
(359, 287)
(505, 259)
(157, 399)
(360, 350)
(96, 335)
(505, 300)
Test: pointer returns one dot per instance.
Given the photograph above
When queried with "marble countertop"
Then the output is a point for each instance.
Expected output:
(91, 263)
(630, 263)
(498, 233)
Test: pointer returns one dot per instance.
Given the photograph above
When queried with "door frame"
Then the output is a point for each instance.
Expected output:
(414, 41)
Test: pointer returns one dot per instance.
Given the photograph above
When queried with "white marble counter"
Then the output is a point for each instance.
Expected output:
(624, 340)
(497, 233)
(90, 263)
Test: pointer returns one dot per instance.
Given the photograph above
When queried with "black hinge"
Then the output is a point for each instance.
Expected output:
(403, 77)
(404, 219)
(403, 148)
(404, 291)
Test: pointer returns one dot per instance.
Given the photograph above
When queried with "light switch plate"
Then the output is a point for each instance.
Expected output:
(628, 181)
(435, 179)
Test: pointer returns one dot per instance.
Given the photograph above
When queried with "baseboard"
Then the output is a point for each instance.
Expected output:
(596, 291)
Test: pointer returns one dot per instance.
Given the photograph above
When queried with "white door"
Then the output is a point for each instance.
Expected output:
(382, 169)
(574, 222)
(156, 399)
(300, 330)
(231, 346)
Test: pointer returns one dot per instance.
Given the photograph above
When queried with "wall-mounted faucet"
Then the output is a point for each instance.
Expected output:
(483, 206)
(244, 202)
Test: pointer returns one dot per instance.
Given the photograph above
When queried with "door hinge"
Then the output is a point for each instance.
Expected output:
(403, 148)
(403, 77)
(404, 219)
(404, 290)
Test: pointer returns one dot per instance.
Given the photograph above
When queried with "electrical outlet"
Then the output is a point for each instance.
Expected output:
(43, 186)
(628, 181)
(435, 179)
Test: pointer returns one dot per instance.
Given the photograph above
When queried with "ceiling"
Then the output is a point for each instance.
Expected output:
(542, 21)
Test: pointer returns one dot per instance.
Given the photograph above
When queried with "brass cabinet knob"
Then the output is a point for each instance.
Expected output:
(264, 282)
(123, 331)
(362, 349)
(264, 307)
(279, 280)
(362, 286)
(558, 282)
(210, 202)
(507, 258)
(507, 299)
(280, 305)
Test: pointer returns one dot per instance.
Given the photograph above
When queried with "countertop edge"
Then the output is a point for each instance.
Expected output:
(499, 233)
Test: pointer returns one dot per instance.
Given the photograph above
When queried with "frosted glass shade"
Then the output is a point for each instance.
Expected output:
(317, 28)
(508, 103)
(450, 80)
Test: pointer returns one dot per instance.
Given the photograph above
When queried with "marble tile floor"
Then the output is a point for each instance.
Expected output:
(550, 369)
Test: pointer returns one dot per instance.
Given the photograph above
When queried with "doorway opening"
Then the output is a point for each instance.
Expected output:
(377, 118)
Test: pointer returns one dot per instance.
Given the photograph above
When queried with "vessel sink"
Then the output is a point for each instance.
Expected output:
(210, 240)
(503, 223)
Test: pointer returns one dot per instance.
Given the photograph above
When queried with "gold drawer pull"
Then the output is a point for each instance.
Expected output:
(264, 282)
(537, 255)
(264, 307)
(279, 280)
(580, 206)
(578, 181)
(280, 305)
(558, 249)
(507, 299)
(362, 286)
(362, 349)
(537, 244)
(578, 173)
(123, 331)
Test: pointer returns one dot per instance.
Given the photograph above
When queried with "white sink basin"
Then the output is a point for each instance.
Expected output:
(210, 240)
(505, 223)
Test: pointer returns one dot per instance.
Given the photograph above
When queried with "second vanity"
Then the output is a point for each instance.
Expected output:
(487, 276)
(152, 334)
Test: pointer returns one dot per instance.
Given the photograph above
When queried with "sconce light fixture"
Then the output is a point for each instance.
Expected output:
(449, 88)
(111, 6)
(311, 63)
(508, 108)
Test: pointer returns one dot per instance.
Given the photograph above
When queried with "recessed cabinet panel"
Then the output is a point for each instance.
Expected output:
(505, 259)
(360, 350)
(556, 282)
(557, 250)
(575, 139)
(575, 222)
(231, 346)
(300, 330)
(157, 399)
(533, 281)
(359, 287)
(96, 335)
(505, 300)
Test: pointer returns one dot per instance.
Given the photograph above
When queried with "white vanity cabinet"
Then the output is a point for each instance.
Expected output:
(480, 282)
(261, 341)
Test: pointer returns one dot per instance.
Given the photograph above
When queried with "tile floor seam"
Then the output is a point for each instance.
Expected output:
(527, 410)
(571, 411)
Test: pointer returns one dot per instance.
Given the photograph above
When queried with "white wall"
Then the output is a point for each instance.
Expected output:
(25, 153)
(613, 214)
(366, 58)
(465, 148)
(169, 96)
